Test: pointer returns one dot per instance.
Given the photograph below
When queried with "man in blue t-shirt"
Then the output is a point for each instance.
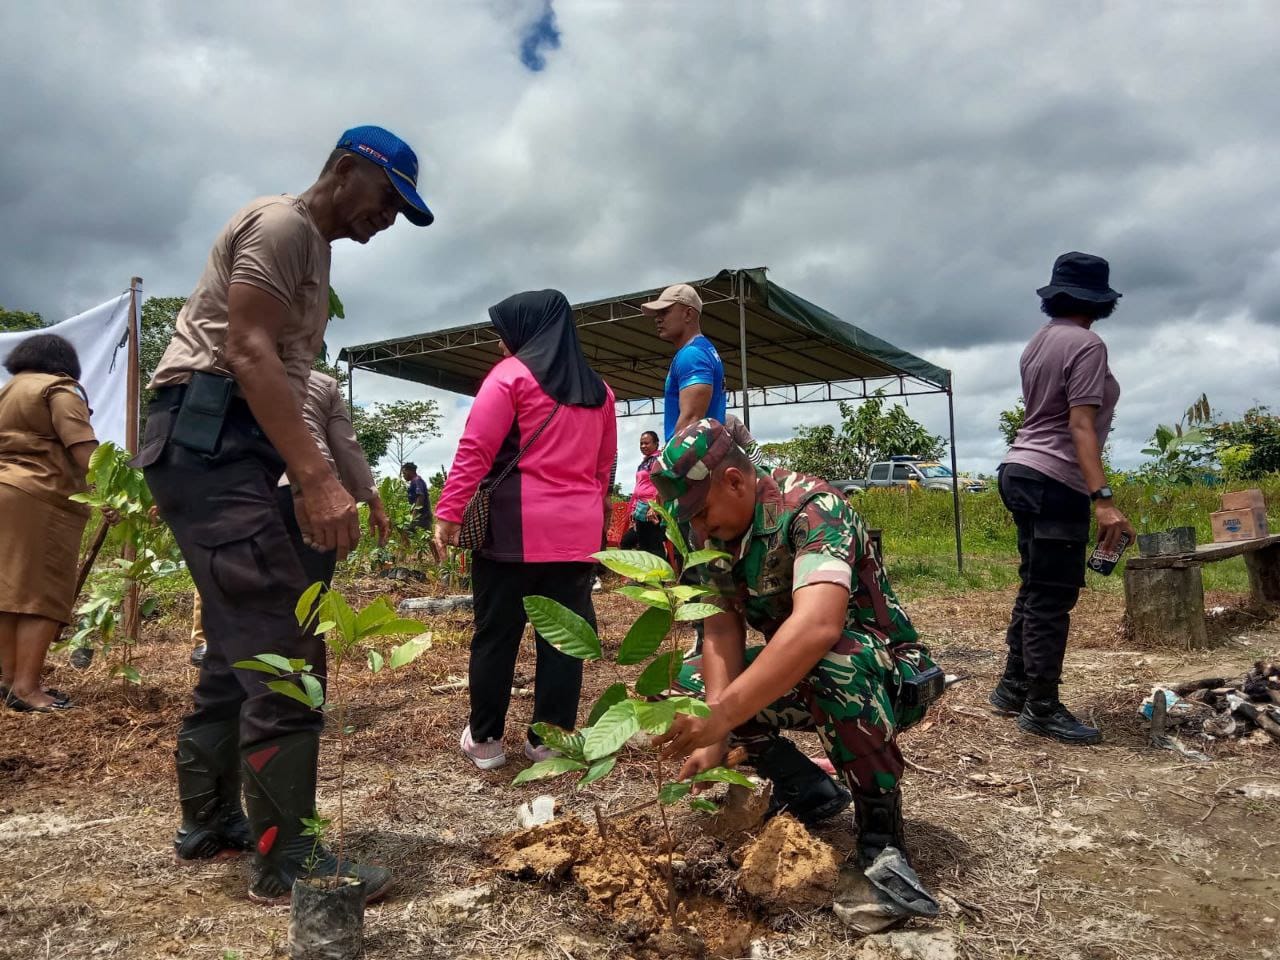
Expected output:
(695, 382)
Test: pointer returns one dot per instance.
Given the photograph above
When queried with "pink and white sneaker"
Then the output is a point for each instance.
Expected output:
(487, 756)
(540, 753)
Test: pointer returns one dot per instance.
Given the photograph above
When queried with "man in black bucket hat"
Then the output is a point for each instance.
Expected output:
(1051, 475)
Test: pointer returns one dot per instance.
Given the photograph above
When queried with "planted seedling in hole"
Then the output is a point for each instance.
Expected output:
(345, 632)
(149, 556)
(621, 712)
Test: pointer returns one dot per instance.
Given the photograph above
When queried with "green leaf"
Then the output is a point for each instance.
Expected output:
(656, 717)
(376, 661)
(645, 636)
(302, 610)
(723, 775)
(376, 613)
(706, 555)
(335, 306)
(671, 792)
(611, 731)
(281, 664)
(613, 694)
(567, 742)
(323, 627)
(697, 611)
(129, 673)
(149, 606)
(654, 598)
(636, 565)
(685, 592)
(562, 628)
(315, 826)
(548, 768)
(291, 690)
(396, 628)
(315, 692)
(259, 666)
(599, 770)
(410, 651)
(703, 804)
(691, 706)
(344, 620)
(673, 528)
(658, 676)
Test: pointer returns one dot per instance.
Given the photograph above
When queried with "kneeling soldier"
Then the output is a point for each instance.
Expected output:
(841, 657)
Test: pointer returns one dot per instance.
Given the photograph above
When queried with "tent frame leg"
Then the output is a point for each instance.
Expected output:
(955, 479)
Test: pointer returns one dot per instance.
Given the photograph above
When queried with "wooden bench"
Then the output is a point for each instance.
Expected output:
(1164, 596)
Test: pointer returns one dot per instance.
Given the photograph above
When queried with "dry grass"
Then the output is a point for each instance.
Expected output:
(1035, 849)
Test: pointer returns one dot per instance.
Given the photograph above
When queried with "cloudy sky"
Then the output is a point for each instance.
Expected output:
(913, 168)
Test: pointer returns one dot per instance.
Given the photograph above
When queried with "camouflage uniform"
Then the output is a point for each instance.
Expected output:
(805, 533)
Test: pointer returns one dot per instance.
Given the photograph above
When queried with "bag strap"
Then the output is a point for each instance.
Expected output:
(506, 471)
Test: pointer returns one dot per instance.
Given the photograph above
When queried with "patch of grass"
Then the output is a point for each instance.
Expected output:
(918, 532)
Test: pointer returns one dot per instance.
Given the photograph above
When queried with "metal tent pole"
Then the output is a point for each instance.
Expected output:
(351, 389)
(955, 478)
(742, 347)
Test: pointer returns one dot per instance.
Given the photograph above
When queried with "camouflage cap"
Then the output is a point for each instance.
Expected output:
(683, 470)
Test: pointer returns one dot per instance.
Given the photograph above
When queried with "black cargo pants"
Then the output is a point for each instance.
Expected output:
(1053, 536)
(245, 554)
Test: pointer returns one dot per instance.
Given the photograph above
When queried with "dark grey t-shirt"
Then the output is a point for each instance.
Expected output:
(1063, 366)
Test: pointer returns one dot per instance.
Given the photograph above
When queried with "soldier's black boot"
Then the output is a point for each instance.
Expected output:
(1046, 716)
(879, 820)
(799, 785)
(279, 790)
(213, 822)
(1010, 694)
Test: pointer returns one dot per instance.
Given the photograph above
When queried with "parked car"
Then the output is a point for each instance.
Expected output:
(909, 472)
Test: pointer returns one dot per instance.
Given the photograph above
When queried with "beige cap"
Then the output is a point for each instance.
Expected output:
(680, 293)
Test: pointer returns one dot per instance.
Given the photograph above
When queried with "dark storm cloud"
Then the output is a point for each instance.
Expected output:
(914, 172)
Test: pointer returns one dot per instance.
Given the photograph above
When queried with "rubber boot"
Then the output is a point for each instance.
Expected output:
(280, 789)
(1010, 694)
(800, 787)
(1046, 716)
(879, 821)
(213, 823)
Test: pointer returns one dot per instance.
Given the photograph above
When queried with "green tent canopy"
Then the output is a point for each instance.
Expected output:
(777, 348)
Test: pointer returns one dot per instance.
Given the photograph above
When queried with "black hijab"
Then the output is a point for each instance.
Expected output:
(537, 327)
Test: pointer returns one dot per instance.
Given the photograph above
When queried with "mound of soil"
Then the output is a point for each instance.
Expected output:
(787, 868)
(624, 876)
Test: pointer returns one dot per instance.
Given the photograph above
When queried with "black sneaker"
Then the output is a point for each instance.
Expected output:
(198, 652)
(1054, 721)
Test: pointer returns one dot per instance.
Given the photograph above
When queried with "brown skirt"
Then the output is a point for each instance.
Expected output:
(39, 555)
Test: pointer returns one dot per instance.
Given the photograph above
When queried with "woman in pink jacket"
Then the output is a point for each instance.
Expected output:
(547, 517)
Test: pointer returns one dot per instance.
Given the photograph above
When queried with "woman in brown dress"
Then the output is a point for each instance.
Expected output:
(45, 445)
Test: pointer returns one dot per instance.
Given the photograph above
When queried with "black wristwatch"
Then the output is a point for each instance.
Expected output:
(1102, 493)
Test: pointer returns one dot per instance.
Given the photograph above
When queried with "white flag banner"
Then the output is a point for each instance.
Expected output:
(101, 338)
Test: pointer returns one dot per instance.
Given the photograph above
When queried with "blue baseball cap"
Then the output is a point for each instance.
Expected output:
(388, 151)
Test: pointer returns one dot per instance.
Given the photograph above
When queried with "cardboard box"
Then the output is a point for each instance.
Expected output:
(1244, 500)
(1230, 525)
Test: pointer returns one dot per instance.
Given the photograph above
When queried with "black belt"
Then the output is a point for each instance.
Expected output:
(171, 396)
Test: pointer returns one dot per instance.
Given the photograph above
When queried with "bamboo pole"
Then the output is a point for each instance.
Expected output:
(133, 392)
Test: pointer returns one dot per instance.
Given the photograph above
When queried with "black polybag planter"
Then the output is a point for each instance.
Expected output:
(326, 922)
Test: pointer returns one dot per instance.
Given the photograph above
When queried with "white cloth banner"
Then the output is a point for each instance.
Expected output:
(101, 338)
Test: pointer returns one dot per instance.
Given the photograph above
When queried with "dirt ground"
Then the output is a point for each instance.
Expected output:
(1034, 849)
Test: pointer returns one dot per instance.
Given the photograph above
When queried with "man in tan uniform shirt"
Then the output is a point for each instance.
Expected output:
(226, 423)
(329, 421)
